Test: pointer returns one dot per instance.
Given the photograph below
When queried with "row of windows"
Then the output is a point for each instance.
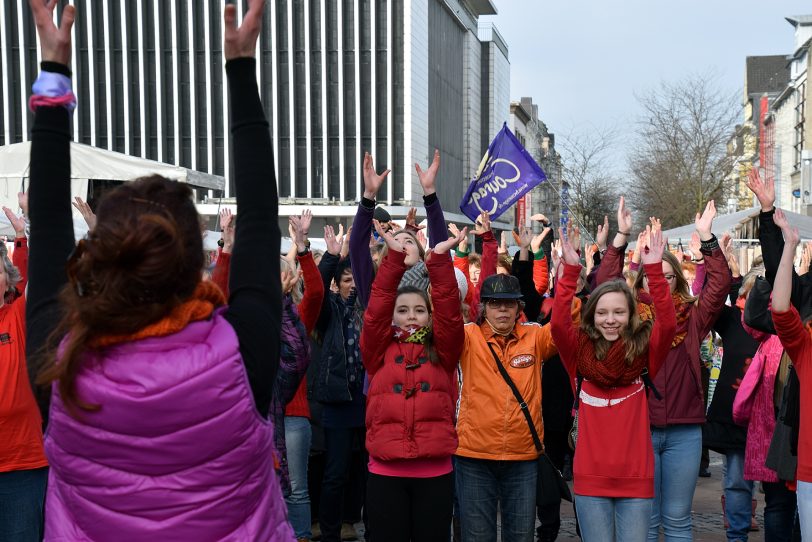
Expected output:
(150, 79)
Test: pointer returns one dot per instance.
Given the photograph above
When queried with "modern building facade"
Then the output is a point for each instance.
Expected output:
(337, 78)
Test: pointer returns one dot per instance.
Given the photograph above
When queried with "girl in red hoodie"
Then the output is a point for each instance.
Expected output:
(411, 353)
(795, 337)
(612, 351)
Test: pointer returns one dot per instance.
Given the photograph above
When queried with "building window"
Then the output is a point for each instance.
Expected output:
(800, 117)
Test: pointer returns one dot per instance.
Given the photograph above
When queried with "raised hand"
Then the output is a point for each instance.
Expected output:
(695, 246)
(306, 219)
(574, 235)
(726, 244)
(704, 222)
(372, 180)
(241, 41)
(656, 224)
(455, 232)
(411, 220)
(345, 241)
(289, 281)
(227, 229)
(556, 255)
(535, 243)
(86, 212)
(503, 244)
(340, 234)
(428, 177)
(54, 42)
(18, 223)
(764, 191)
(483, 224)
(653, 251)
(603, 234)
(806, 259)
(333, 246)
(451, 242)
(421, 238)
(568, 252)
(538, 217)
(22, 200)
(387, 236)
(624, 216)
(299, 236)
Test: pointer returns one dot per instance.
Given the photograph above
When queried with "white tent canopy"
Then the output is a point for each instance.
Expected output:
(737, 223)
(88, 163)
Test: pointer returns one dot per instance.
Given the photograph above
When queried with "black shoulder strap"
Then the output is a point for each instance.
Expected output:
(518, 396)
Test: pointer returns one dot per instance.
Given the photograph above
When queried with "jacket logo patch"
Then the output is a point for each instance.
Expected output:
(522, 361)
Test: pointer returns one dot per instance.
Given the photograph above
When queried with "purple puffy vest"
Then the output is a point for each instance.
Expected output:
(177, 450)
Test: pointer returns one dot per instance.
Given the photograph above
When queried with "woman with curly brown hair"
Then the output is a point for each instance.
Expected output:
(160, 392)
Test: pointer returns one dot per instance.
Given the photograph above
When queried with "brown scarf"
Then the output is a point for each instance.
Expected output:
(645, 308)
(206, 297)
(611, 371)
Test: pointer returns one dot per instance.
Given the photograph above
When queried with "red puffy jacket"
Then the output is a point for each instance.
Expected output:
(410, 411)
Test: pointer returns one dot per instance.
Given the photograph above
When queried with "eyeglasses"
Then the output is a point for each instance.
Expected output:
(499, 303)
(670, 277)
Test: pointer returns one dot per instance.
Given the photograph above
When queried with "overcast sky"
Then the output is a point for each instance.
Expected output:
(582, 61)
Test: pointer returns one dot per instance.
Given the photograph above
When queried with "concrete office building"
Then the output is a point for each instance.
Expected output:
(337, 78)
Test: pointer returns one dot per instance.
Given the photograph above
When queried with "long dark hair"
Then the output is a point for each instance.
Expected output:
(143, 258)
(431, 352)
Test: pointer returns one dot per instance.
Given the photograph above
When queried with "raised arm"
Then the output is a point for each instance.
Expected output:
(564, 330)
(376, 333)
(541, 266)
(327, 269)
(717, 282)
(360, 258)
(794, 336)
(665, 324)
(255, 298)
(20, 256)
(434, 211)
(49, 194)
(522, 269)
(612, 263)
(447, 318)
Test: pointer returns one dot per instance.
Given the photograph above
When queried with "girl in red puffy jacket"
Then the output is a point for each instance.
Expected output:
(410, 346)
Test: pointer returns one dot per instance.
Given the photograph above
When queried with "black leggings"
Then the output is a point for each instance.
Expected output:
(409, 509)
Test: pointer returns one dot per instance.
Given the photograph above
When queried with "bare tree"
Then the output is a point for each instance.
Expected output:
(587, 169)
(679, 160)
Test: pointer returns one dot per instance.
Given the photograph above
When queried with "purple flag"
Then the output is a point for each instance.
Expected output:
(506, 173)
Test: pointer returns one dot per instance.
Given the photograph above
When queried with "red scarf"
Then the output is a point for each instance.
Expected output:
(611, 371)
(410, 334)
(645, 308)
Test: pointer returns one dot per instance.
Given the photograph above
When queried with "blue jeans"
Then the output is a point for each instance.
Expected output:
(482, 484)
(804, 495)
(780, 506)
(22, 502)
(677, 450)
(601, 518)
(297, 442)
(738, 496)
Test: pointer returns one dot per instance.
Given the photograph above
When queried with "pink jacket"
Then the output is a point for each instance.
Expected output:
(754, 408)
(176, 451)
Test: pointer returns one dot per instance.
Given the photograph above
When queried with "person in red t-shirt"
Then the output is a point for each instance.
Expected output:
(23, 466)
(613, 351)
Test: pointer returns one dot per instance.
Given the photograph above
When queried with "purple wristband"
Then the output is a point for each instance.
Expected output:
(52, 89)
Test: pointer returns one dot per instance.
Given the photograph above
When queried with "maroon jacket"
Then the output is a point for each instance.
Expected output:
(679, 382)
(410, 403)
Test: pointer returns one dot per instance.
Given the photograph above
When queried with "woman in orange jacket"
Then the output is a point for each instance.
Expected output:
(496, 458)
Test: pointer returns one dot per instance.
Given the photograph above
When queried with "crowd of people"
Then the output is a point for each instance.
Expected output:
(397, 379)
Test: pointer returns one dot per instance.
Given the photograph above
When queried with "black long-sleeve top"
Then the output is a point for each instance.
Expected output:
(254, 309)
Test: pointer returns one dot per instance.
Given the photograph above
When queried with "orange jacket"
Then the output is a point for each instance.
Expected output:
(490, 423)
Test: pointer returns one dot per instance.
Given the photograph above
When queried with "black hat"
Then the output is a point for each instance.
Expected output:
(382, 215)
(501, 287)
